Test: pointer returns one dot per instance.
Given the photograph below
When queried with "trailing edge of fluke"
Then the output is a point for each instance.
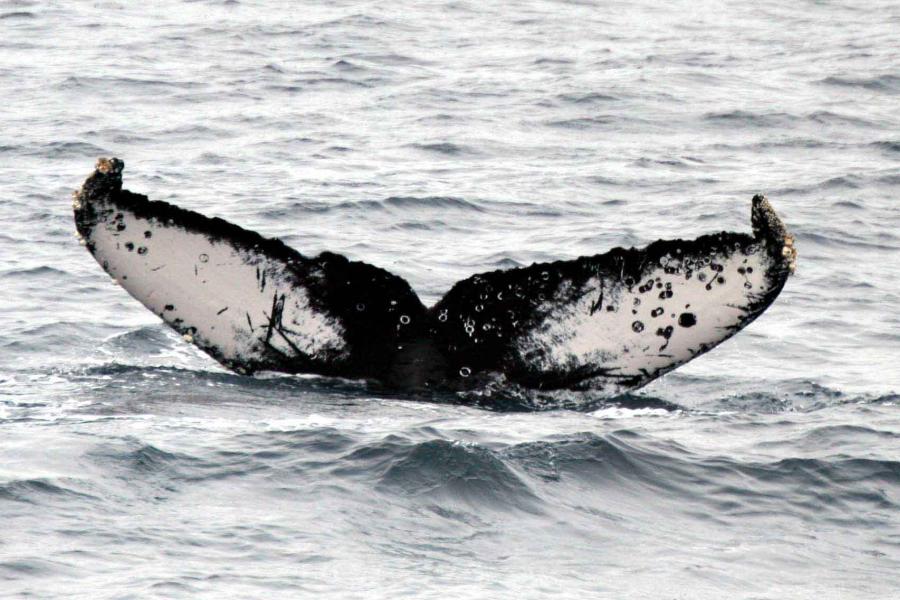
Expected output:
(607, 323)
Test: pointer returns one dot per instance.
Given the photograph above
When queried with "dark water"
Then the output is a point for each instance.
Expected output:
(437, 140)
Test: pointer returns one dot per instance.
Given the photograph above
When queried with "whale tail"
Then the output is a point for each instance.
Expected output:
(615, 321)
(608, 323)
(250, 302)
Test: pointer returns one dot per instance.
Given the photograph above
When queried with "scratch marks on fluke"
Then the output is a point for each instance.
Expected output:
(595, 306)
(253, 303)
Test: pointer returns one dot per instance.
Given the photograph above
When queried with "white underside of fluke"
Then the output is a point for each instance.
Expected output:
(656, 324)
(220, 297)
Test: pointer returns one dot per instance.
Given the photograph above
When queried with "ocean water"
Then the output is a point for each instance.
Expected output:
(439, 139)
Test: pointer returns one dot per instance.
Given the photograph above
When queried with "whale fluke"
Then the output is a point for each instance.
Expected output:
(250, 302)
(615, 321)
(608, 323)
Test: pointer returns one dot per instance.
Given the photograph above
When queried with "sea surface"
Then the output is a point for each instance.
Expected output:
(440, 139)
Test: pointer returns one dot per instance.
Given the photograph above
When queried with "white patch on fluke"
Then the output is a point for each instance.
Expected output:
(220, 297)
(628, 334)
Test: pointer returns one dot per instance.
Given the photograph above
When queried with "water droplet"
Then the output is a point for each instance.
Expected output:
(637, 326)
(204, 258)
(142, 250)
(360, 307)
(404, 320)
(479, 308)
(465, 371)
(442, 317)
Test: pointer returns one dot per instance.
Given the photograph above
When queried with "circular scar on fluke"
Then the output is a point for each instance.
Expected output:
(253, 303)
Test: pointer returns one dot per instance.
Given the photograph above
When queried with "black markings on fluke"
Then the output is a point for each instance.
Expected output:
(547, 326)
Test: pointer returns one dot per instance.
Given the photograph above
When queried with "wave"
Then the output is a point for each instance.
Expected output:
(584, 123)
(446, 148)
(457, 471)
(828, 436)
(426, 202)
(389, 204)
(134, 84)
(847, 181)
(880, 83)
(553, 61)
(645, 162)
(623, 461)
(21, 14)
(781, 120)
(108, 384)
(827, 117)
(41, 271)
(37, 339)
(144, 458)
(175, 374)
(833, 237)
(589, 98)
(40, 490)
(748, 119)
(887, 145)
(347, 66)
(64, 149)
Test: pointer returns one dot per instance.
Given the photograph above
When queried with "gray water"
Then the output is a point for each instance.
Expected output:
(439, 139)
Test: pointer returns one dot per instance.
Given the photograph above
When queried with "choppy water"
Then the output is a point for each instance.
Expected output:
(439, 139)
